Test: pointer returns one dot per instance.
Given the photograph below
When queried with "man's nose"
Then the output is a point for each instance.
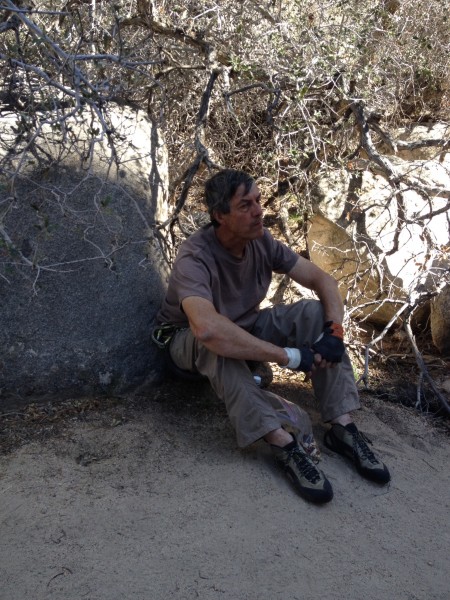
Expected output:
(257, 209)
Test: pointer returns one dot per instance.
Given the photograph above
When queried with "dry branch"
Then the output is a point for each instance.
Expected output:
(424, 373)
(202, 155)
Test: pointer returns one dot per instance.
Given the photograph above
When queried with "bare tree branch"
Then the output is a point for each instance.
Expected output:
(424, 373)
(202, 152)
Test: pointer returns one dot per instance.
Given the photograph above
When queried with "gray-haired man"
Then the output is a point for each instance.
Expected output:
(220, 276)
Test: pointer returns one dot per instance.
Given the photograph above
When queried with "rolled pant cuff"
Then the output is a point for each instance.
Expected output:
(248, 440)
(343, 409)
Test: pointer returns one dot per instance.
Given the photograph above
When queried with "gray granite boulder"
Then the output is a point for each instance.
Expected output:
(81, 273)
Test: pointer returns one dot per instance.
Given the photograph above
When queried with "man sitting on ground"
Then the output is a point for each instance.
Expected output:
(221, 275)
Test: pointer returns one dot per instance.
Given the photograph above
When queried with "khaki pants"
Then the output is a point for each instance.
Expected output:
(251, 409)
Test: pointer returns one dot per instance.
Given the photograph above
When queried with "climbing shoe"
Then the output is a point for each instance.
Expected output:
(353, 444)
(309, 481)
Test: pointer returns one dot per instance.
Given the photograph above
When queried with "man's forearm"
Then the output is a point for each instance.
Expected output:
(225, 338)
(312, 277)
(330, 298)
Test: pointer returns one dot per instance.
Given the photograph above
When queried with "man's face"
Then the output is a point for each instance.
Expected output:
(245, 219)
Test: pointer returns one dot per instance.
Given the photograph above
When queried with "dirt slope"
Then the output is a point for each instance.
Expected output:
(149, 499)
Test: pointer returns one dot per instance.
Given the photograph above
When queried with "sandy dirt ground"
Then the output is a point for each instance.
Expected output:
(148, 498)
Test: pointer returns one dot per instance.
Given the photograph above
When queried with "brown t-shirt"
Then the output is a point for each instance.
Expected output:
(235, 286)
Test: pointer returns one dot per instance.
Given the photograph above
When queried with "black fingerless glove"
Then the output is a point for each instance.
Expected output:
(330, 344)
(300, 359)
(307, 360)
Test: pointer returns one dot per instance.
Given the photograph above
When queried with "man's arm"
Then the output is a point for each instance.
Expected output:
(308, 275)
(312, 277)
(223, 337)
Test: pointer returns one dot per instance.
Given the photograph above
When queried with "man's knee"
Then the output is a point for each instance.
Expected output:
(182, 350)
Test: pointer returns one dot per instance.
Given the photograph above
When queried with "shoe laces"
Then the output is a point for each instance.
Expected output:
(304, 464)
(361, 449)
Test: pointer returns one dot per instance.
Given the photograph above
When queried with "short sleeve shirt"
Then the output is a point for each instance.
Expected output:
(235, 286)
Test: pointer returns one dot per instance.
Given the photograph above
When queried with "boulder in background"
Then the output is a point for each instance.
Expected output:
(81, 273)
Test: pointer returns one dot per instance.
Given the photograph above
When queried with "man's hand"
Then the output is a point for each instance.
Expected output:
(300, 359)
(330, 344)
(326, 351)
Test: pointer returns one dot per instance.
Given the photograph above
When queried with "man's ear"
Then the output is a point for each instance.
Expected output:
(218, 217)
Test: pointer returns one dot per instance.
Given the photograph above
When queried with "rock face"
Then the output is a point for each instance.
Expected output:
(365, 290)
(440, 321)
(81, 274)
(360, 222)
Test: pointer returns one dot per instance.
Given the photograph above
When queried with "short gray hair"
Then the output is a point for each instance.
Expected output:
(221, 187)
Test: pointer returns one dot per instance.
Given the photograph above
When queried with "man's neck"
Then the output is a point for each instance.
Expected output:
(234, 246)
